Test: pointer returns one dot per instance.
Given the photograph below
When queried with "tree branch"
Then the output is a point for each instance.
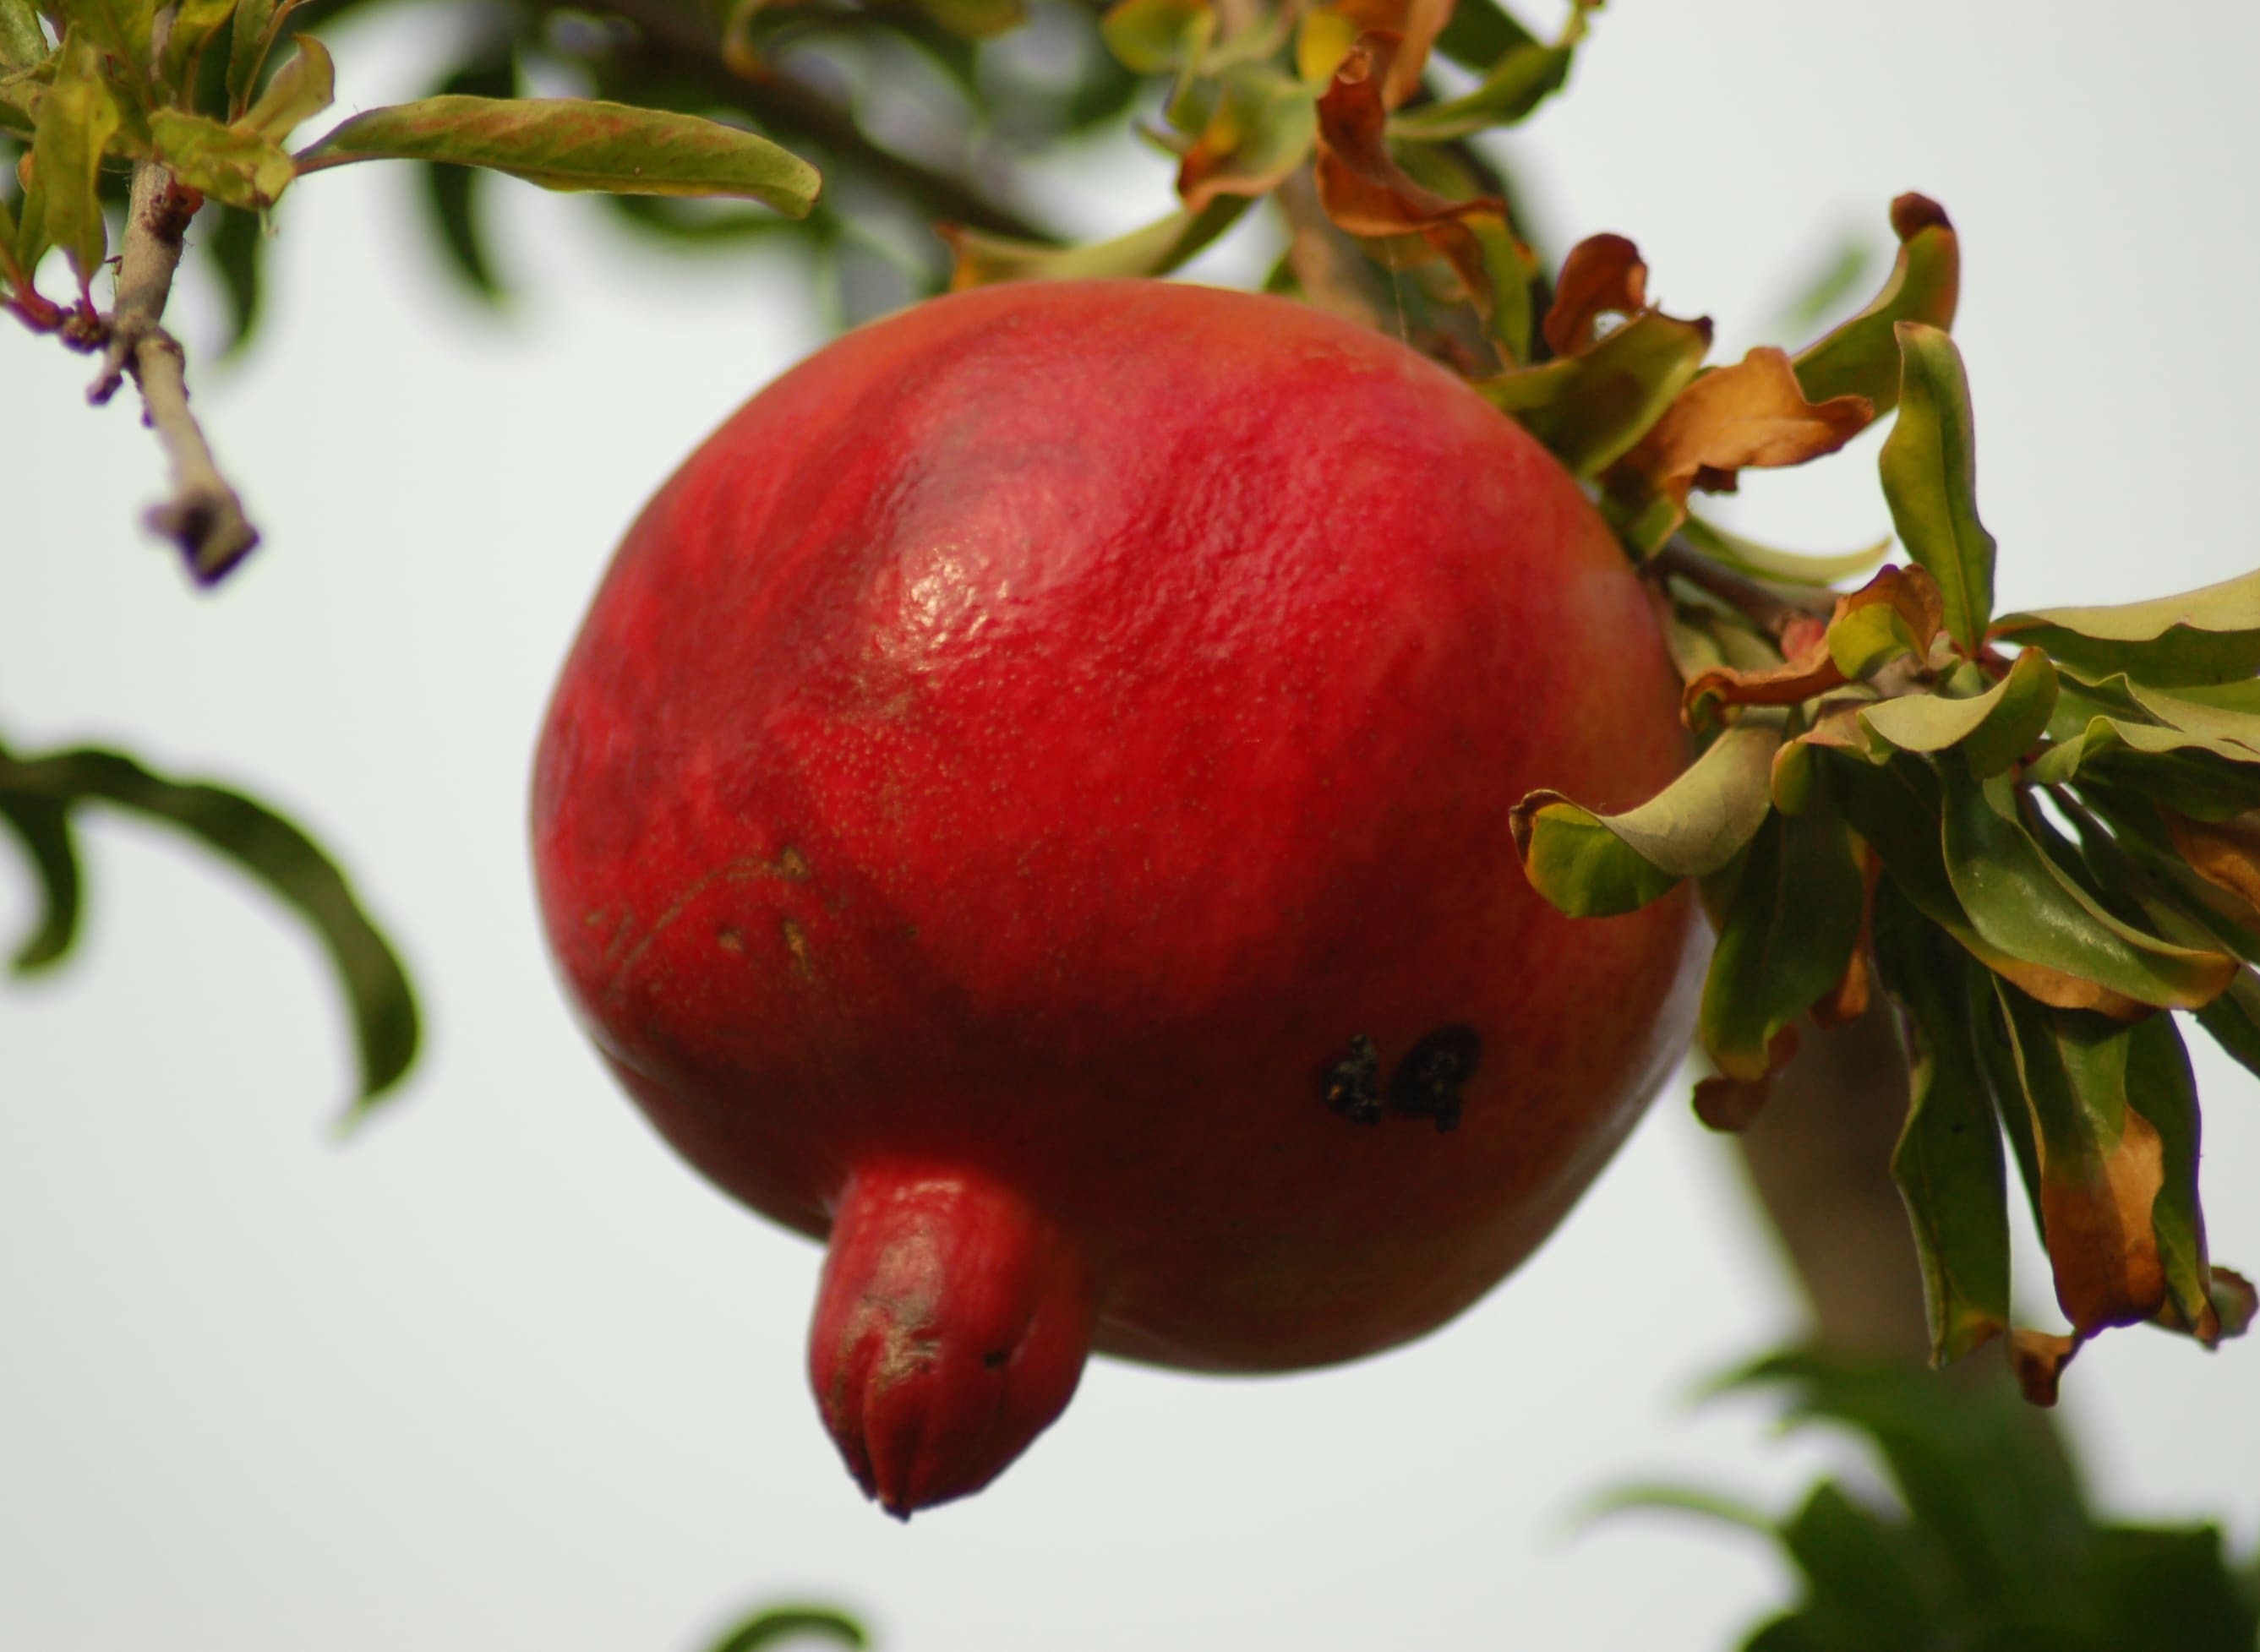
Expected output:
(1678, 559)
(204, 516)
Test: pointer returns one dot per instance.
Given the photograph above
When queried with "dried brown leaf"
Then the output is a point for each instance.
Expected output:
(1602, 275)
(2037, 1358)
(1752, 413)
(2097, 1229)
(1364, 189)
(1807, 672)
(1415, 23)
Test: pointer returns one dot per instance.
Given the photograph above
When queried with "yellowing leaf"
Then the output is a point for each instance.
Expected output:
(1590, 865)
(1262, 126)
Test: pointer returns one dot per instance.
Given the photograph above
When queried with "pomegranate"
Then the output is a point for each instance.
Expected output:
(1029, 803)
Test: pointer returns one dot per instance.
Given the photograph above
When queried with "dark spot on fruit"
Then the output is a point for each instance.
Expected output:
(994, 1358)
(1428, 1082)
(1351, 1086)
(729, 940)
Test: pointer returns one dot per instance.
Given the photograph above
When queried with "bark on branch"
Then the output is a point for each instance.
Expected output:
(204, 516)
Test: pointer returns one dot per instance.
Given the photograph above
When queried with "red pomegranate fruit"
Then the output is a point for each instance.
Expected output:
(1029, 804)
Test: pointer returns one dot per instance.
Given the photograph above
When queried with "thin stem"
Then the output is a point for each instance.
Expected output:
(204, 516)
(1775, 613)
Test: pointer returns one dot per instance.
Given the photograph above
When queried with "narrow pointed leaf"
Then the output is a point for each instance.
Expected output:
(281, 856)
(574, 144)
(1590, 865)
(43, 827)
(237, 245)
(195, 23)
(2163, 1091)
(1930, 480)
(1511, 89)
(1861, 357)
(2211, 635)
(1949, 1165)
(1991, 730)
(2021, 901)
(982, 259)
(119, 29)
(258, 23)
(301, 89)
(1790, 567)
(1792, 925)
(75, 120)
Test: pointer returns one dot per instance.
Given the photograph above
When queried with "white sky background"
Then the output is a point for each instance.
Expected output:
(500, 1373)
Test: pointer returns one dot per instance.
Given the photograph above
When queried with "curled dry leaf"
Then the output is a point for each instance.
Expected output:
(2037, 1359)
(1900, 611)
(1861, 357)
(1365, 191)
(1602, 275)
(1750, 414)
(1901, 601)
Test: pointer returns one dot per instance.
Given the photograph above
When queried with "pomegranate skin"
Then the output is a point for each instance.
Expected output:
(1027, 747)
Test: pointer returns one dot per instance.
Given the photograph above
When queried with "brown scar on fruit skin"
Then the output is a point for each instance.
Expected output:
(796, 943)
(790, 867)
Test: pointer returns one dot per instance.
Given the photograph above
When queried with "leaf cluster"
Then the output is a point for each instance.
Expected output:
(2038, 834)
(1992, 1545)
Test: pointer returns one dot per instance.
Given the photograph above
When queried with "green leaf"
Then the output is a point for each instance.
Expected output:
(1787, 937)
(258, 24)
(454, 195)
(1930, 480)
(575, 144)
(1261, 129)
(775, 1624)
(1872, 1583)
(1514, 86)
(119, 29)
(237, 245)
(299, 90)
(2188, 772)
(22, 41)
(2021, 901)
(2211, 635)
(2101, 1164)
(1947, 1165)
(1592, 866)
(1480, 33)
(281, 856)
(974, 19)
(1981, 1474)
(1788, 567)
(1591, 408)
(237, 167)
(43, 827)
(983, 259)
(1158, 37)
(195, 22)
(74, 122)
(1991, 730)
(1861, 357)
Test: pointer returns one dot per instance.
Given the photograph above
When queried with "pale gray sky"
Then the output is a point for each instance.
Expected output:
(500, 1373)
